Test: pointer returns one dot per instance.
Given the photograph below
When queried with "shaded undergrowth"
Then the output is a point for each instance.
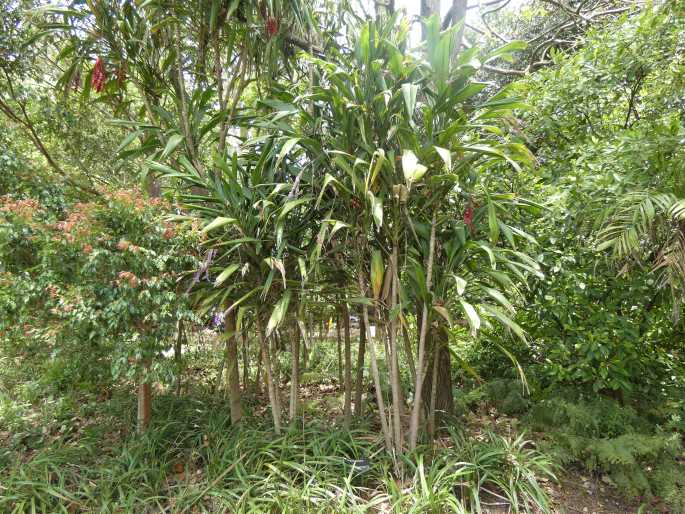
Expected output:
(193, 460)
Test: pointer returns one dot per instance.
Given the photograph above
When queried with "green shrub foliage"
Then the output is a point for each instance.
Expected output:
(617, 441)
(96, 290)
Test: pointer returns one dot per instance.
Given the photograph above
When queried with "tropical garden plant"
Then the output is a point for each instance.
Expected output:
(452, 243)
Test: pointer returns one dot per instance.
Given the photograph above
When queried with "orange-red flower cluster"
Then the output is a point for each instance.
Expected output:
(78, 222)
(124, 245)
(169, 232)
(130, 278)
(130, 198)
(24, 209)
(53, 291)
(157, 201)
(63, 308)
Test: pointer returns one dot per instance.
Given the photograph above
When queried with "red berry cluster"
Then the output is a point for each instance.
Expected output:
(99, 76)
(271, 26)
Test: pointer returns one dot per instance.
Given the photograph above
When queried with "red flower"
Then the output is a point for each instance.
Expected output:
(468, 217)
(99, 76)
(271, 26)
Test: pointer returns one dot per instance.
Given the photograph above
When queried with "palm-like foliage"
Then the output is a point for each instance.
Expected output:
(257, 234)
(246, 215)
(646, 227)
(472, 269)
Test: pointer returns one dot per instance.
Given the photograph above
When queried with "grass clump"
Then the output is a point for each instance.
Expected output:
(193, 460)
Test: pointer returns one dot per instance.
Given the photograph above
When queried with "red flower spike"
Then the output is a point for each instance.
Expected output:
(99, 76)
(271, 26)
(468, 217)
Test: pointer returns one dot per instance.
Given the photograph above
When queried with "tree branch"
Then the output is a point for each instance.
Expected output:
(35, 139)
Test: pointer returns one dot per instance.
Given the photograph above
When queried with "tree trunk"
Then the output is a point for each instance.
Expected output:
(440, 401)
(220, 373)
(377, 384)
(274, 357)
(276, 368)
(339, 345)
(271, 387)
(347, 409)
(409, 353)
(305, 353)
(358, 405)
(393, 361)
(232, 363)
(428, 8)
(374, 368)
(246, 364)
(258, 377)
(433, 375)
(145, 389)
(307, 343)
(178, 354)
(295, 372)
(458, 14)
(144, 404)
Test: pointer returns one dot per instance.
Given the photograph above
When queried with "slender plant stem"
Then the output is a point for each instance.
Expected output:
(421, 371)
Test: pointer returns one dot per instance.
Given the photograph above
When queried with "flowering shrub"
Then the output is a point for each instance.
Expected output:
(102, 285)
(23, 209)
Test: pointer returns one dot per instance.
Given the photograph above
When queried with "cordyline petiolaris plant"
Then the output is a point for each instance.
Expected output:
(379, 189)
